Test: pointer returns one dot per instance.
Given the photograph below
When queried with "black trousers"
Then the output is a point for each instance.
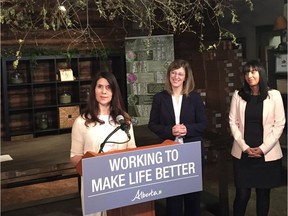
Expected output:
(184, 205)
(242, 197)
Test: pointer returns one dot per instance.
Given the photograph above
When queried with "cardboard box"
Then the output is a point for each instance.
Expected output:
(67, 115)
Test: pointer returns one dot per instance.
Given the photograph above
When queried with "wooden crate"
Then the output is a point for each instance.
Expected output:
(19, 98)
(85, 69)
(67, 115)
(43, 72)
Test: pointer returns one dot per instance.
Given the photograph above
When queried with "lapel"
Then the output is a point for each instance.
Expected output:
(242, 106)
(266, 108)
(168, 104)
(183, 107)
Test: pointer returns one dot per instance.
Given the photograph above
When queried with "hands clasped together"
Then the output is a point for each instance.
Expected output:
(254, 152)
(179, 130)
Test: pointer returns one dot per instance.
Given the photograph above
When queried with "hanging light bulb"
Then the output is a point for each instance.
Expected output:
(62, 8)
(280, 25)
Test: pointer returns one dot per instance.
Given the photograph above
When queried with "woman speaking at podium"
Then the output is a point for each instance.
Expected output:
(95, 129)
(178, 113)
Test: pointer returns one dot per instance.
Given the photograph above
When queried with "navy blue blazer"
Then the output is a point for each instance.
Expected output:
(192, 115)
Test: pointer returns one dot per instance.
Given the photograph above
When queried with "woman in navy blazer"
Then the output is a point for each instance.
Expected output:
(257, 120)
(179, 114)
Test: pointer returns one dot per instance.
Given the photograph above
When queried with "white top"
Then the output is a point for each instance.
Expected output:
(177, 111)
(85, 139)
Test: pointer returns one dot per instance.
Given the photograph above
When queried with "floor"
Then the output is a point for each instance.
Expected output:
(58, 194)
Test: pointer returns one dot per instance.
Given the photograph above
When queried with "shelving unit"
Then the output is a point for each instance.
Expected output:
(34, 95)
(278, 79)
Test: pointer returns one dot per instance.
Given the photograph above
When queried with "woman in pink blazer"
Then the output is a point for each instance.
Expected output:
(257, 120)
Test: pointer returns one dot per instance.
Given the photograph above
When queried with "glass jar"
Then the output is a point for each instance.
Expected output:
(43, 122)
(16, 78)
(65, 97)
(85, 95)
(87, 92)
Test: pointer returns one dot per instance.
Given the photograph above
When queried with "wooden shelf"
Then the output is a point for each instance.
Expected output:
(39, 89)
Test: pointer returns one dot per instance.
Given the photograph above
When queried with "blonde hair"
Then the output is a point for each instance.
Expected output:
(188, 84)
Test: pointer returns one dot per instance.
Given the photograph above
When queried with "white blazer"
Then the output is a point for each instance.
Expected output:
(273, 125)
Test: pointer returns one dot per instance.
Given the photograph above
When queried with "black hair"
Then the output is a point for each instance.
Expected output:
(117, 107)
(245, 91)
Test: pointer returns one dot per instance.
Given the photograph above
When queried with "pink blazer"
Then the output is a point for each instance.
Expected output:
(273, 125)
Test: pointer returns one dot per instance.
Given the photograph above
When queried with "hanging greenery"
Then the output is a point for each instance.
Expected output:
(172, 16)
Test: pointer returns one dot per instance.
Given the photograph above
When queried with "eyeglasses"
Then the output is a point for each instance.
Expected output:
(173, 73)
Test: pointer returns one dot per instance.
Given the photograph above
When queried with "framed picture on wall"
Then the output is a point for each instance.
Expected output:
(281, 63)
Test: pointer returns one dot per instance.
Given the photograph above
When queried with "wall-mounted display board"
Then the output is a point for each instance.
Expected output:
(147, 60)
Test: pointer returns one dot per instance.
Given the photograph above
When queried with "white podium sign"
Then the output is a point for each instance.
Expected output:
(141, 175)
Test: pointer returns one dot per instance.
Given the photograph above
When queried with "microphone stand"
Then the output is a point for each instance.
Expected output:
(104, 142)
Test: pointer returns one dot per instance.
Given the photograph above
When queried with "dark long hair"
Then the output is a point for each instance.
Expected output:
(91, 111)
(245, 91)
(189, 83)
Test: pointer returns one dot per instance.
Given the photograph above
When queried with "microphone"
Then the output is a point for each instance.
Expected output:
(123, 125)
(105, 141)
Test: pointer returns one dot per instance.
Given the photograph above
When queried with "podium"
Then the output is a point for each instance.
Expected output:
(126, 182)
(140, 209)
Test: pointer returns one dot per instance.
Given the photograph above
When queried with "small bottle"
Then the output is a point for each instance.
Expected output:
(87, 93)
(43, 122)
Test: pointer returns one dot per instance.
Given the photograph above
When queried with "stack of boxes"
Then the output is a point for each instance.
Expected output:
(217, 74)
(223, 77)
(221, 71)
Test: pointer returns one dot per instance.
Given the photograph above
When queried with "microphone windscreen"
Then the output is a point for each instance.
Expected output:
(119, 119)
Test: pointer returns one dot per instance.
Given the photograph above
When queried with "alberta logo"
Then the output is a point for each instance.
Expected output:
(142, 195)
